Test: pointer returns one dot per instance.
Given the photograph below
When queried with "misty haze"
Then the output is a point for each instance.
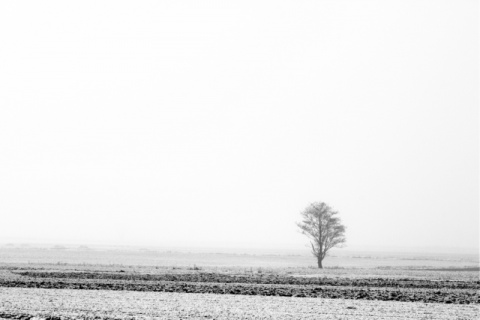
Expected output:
(239, 160)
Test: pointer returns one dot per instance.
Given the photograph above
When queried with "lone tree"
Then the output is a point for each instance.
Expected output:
(324, 229)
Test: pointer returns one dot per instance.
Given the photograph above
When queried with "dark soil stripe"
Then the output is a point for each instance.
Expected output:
(407, 295)
(262, 279)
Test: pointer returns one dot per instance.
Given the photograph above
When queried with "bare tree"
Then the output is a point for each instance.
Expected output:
(324, 229)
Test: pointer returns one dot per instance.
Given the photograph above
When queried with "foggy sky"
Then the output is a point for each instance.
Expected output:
(215, 123)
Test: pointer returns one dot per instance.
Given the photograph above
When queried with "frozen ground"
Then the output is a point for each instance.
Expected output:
(88, 304)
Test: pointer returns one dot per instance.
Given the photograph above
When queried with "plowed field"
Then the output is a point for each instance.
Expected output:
(70, 292)
(407, 290)
(65, 304)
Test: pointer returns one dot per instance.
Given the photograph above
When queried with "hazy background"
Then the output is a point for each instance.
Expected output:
(214, 123)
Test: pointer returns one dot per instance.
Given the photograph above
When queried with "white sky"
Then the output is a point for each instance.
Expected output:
(216, 122)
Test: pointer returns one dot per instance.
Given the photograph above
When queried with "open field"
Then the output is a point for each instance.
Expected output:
(171, 257)
(103, 304)
(382, 289)
(71, 284)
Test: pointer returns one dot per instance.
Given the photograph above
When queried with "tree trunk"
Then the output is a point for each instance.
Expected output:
(319, 261)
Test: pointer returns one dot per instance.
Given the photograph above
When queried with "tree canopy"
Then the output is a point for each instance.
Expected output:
(324, 229)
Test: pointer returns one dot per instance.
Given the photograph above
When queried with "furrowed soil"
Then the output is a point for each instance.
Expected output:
(66, 304)
(380, 289)
(44, 284)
